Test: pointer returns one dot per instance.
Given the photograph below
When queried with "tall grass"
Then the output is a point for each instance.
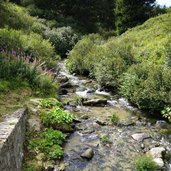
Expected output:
(17, 66)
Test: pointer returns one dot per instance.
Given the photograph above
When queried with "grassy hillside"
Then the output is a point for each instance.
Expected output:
(136, 64)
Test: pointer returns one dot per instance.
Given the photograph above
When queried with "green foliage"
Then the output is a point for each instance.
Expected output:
(137, 62)
(105, 139)
(31, 44)
(30, 167)
(50, 103)
(114, 119)
(4, 85)
(49, 143)
(78, 100)
(166, 112)
(56, 116)
(106, 63)
(145, 163)
(15, 16)
(20, 74)
(80, 59)
(147, 85)
(63, 39)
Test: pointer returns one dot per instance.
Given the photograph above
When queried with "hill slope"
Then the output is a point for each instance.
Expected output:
(137, 64)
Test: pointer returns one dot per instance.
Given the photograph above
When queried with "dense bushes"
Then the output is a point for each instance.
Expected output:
(81, 59)
(62, 38)
(15, 16)
(20, 72)
(47, 145)
(147, 85)
(31, 44)
(137, 62)
(106, 62)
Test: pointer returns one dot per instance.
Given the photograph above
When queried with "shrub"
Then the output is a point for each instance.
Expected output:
(105, 139)
(49, 143)
(4, 85)
(81, 57)
(62, 38)
(56, 116)
(147, 85)
(109, 69)
(15, 16)
(166, 112)
(144, 51)
(31, 44)
(145, 163)
(50, 103)
(38, 27)
(20, 72)
(105, 62)
(29, 167)
(114, 119)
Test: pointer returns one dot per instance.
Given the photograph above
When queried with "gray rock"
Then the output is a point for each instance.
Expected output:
(95, 102)
(159, 162)
(140, 136)
(161, 124)
(157, 152)
(88, 154)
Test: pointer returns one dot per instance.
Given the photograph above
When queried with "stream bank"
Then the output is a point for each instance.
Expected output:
(97, 144)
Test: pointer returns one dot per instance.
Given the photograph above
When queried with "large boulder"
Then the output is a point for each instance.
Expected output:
(157, 154)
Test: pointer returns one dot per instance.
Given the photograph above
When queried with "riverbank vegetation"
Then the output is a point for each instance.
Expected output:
(45, 140)
(135, 65)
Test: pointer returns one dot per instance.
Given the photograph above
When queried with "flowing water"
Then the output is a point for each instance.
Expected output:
(113, 146)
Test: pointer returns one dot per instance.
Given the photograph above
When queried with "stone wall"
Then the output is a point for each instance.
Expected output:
(12, 136)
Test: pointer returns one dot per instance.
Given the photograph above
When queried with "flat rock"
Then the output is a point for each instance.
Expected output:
(95, 102)
(140, 136)
(88, 154)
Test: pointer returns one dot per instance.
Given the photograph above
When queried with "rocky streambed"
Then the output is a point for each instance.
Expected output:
(97, 144)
